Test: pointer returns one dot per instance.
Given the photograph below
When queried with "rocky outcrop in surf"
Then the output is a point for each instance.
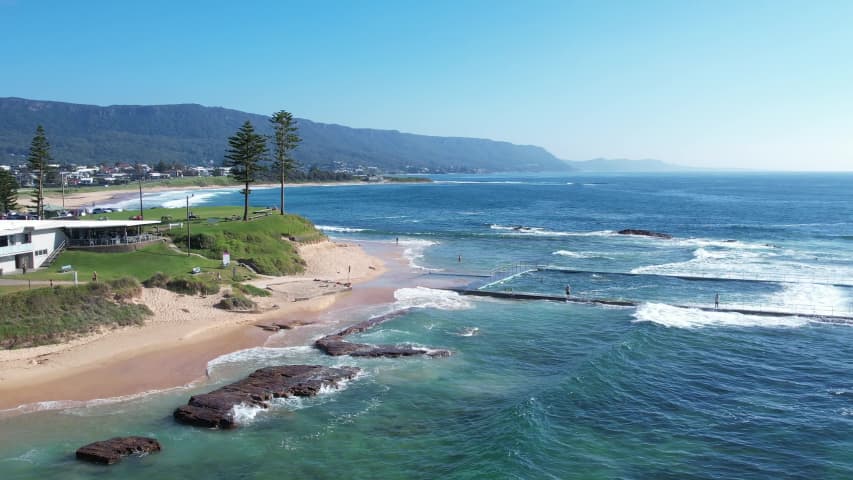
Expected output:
(113, 450)
(644, 233)
(216, 409)
(336, 345)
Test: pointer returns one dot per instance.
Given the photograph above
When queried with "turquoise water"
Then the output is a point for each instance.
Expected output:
(544, 389)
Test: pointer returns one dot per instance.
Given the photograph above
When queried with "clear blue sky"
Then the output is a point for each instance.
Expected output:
(755, 84)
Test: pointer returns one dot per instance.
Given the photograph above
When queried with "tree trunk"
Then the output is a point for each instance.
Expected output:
(282, 193)
(40, 199)
(246, 203)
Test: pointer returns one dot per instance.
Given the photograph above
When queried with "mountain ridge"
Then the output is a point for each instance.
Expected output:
(191, 133)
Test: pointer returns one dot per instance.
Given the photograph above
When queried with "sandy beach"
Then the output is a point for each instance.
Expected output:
(174, 346)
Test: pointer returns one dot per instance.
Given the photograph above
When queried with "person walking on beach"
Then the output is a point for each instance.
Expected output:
(716, 301)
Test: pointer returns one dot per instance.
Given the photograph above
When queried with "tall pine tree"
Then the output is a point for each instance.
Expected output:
(38, 160)
(245, 150)
(8, 192)
(284, 140)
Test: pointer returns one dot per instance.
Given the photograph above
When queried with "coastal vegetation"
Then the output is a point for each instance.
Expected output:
(38, 161)
(8, 192)
(236, 302)
(245, 151)
(265, 244)
(284, 141)
(52, 315)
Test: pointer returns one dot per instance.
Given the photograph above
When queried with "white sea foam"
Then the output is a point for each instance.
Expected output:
(80, 407)
(413, 250)
(571, 254)
(690, 318)
(733, 260)
(469, 332)
(257, 355)
(810, 298)
(332, 228)
(422, 297)
(244, 414)
(544, 232)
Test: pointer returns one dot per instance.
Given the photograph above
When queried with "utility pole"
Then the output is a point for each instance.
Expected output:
(188, 225)
(62, 181)
(139, 177)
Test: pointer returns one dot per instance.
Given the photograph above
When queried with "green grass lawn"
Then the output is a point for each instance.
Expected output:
(141, 264)
(258, 243)
(4, 289)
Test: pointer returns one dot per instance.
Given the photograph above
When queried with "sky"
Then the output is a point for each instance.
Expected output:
(725, 84)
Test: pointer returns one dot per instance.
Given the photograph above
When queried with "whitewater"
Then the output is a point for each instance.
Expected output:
(667, 389)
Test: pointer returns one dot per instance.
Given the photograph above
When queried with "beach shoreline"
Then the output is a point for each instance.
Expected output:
(174, 346)
(110, 195)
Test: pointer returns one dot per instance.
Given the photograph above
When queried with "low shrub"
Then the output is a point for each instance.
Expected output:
(193, 285)
(236, 302)
(53, 315)
(158, 280)
(125, 288)
(252, 290)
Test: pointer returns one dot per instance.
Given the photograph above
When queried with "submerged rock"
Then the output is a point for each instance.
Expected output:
(644, 233)
(216, 409)
(336, 345)
(113, 450)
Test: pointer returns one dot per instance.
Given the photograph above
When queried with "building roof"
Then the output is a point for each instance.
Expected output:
(8, 227)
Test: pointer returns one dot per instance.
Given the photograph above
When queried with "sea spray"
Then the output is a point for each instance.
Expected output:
(422, 297)
(693, 318)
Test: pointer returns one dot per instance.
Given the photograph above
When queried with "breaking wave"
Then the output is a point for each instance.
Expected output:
(422, 297)
(332, 228)
(692, 318)
(414, 251)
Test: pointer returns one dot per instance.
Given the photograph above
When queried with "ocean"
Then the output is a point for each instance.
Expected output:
(534, 389)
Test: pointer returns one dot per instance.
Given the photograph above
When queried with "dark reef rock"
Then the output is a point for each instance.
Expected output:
(216, 409)
(335, 344)
(644, 233)
(113, 450)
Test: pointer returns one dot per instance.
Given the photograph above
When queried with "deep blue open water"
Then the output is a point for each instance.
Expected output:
(544, 389)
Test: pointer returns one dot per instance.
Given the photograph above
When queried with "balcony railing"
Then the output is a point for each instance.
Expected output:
(118, 240)
(16, 249)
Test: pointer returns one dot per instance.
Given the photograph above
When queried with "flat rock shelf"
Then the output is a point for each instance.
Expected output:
(113, 450)
(216, 409)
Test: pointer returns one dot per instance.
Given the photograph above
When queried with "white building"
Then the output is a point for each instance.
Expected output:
(29, 243)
